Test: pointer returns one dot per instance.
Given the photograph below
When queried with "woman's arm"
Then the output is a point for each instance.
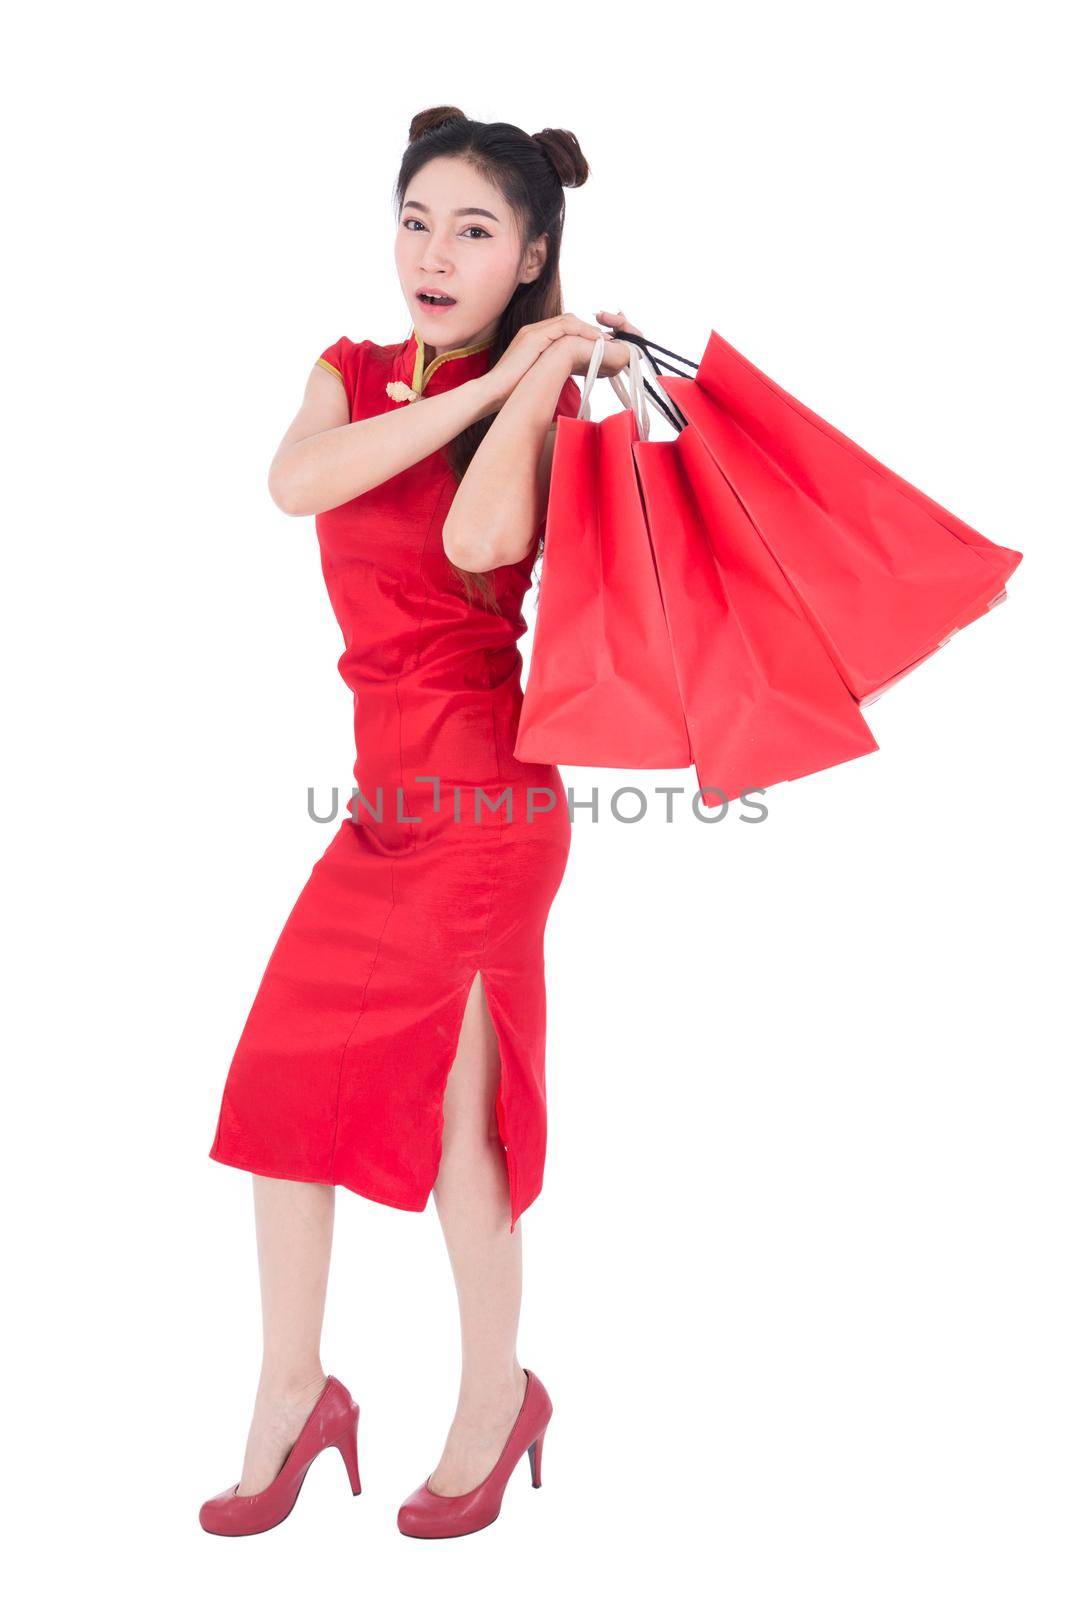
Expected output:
(325, 460)
(501, 500)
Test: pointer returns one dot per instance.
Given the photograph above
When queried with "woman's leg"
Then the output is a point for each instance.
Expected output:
(471, 1195)
(294, 1236)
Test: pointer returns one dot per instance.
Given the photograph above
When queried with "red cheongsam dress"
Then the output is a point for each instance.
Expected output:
(445, 865)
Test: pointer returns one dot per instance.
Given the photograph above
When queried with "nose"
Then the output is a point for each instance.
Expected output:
(434, 257)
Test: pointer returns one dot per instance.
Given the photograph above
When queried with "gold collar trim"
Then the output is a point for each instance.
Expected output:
(423, 372)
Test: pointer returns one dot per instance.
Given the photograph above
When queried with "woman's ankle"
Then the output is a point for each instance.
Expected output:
(288, 1387)
(489, 1393)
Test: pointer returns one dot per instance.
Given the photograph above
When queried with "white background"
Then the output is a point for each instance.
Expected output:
(795, 1281)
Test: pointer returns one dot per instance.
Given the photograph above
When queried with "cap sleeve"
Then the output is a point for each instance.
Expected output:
(570, 400)
(337, 358)
(331, 359)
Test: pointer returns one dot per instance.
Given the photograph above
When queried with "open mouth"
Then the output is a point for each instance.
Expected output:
(434, 301)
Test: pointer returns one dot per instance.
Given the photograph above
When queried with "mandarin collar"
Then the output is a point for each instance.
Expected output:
(413, 374)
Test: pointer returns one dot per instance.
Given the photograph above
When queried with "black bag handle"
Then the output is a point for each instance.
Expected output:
(674, 417)
(648, 346)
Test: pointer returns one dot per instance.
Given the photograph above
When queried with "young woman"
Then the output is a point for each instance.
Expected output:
(396, 1044)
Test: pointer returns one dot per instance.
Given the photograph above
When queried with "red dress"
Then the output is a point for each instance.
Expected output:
(450, 870)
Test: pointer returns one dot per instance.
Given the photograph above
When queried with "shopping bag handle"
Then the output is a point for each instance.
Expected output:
(591, 372)
(661, 401)
(631, 390)
(647, 345)
(632, 398)
(635, 398)
(674, 416)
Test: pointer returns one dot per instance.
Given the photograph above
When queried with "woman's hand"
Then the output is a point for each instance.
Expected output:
(567, 337)
(616, 320)
(565, 342)
(616, 353)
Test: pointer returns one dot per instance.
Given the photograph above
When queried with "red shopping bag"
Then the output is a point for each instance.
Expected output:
(601, 689)
(763, 701)
(666, 633)
(885, 574)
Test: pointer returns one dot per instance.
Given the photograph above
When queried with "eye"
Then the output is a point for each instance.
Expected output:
(477, 228)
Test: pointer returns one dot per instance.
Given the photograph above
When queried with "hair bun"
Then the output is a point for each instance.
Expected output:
(426, 121)
(565, 154)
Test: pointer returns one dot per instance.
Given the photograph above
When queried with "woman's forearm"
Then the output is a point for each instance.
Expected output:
(328, 469)
(496, 510)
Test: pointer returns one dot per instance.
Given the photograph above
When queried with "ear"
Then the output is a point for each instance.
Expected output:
(536, 256)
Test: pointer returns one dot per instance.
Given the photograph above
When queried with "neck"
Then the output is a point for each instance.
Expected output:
(432, 351)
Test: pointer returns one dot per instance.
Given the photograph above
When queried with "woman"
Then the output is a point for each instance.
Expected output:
(396, 1044)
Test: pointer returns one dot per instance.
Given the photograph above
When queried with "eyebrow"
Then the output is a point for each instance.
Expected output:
(460, 211)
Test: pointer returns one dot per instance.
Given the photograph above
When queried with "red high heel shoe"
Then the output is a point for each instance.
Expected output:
(332, 1424)
(427, 1515)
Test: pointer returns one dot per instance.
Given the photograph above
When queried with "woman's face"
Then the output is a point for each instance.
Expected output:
(459, 238)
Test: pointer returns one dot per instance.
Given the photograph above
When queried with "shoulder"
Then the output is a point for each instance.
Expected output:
(364, 367)
(347, 359)
(344, 356)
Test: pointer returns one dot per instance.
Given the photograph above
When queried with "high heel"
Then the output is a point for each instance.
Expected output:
(534, 1454)
(428, 1515)
(346, 1447)
(333, 1423)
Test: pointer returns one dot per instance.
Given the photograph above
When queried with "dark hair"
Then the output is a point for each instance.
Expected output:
(531, 171)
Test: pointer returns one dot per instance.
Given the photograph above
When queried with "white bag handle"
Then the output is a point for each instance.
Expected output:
(639, 371)
(633, 397)
(590, 378)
